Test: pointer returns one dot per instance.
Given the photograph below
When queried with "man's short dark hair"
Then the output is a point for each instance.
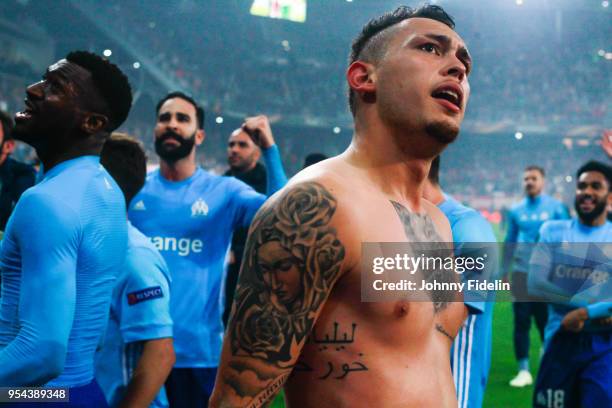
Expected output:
(177, 94)
(598, 167)
(124, 158)
(111, 83)
(536, 168)
(7, 125)
(434, 171)
(371, 43)
(313, 158)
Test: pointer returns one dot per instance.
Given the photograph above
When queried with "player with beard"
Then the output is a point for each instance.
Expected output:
(301, 275)
(243, 158)
(571, 267)
(190, 215)
(66, 240)
(524, 221)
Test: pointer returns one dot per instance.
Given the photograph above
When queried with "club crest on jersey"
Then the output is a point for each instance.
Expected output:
(199, 208)
(153, 292)
(139, 206)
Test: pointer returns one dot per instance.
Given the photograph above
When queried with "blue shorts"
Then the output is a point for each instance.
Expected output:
(86, 396)
(576, 371)
(190, 387)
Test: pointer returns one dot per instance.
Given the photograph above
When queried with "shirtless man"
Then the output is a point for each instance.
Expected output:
(297, 319)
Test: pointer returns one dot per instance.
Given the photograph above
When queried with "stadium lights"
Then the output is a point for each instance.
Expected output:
(107, 53)
(136, 65)
(601, 53)
(336, 129)
(608, 55)
(349, 1)
(519, 2)
(605, 3)
(518, 135)
(568, 179)
(219, 119)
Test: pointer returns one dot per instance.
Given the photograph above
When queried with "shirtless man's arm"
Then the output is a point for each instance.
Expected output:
(292, 260)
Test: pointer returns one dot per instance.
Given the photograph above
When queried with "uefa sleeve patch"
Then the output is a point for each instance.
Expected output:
(153, 292)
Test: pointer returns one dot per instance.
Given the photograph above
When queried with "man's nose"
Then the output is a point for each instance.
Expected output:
(35, 91)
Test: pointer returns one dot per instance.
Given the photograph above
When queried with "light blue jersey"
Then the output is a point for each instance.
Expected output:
(471, 351)
(524, 222)
(558, 267)
(63, 248)
(191, 223)
(140, 311)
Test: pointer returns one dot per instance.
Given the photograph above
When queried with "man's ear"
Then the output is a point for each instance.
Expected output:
(200, 136)
(8, 147)
(362, 78)
(94, 123)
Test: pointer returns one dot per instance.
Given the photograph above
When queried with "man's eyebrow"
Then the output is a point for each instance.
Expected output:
(446, 41)
(441, 38)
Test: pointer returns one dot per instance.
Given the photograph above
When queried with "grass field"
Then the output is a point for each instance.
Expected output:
(503, 365)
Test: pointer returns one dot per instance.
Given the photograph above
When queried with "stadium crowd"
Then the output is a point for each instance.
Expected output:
(126, 299)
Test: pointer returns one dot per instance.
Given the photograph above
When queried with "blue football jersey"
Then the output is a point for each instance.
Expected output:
(524, 222)
(191, 223)
(471, 350)
(566, 261)
(140, 311)
(64, 246)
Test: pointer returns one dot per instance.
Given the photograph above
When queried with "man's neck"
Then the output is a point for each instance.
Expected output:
(400, 172)
(243, 170)
(597, 222)
(50, 160)
(179, 170)
(433, 193)
(533, 198)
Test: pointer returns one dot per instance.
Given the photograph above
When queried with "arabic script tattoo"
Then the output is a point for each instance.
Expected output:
(292, 259)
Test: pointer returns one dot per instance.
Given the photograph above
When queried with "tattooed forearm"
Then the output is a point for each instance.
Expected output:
(292, 259)
(262, 399)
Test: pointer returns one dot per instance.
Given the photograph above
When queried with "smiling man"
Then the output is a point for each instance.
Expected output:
(576, 368)
(297, 319)
(66, 239)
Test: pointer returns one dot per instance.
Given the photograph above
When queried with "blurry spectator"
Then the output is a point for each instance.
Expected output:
(15, 177)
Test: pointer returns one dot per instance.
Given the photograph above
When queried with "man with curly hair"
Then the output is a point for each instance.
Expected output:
(298, 320)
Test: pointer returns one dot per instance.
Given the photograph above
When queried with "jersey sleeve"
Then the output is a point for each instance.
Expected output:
(511, 238)
(145, 298)
(540, 265)
(599, 310)
(276, 178)
(246, 201)
(48, 233)
(474, 238)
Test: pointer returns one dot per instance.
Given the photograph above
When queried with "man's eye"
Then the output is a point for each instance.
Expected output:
(431, 48)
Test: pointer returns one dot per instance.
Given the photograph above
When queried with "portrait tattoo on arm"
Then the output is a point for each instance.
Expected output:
(292, 259)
